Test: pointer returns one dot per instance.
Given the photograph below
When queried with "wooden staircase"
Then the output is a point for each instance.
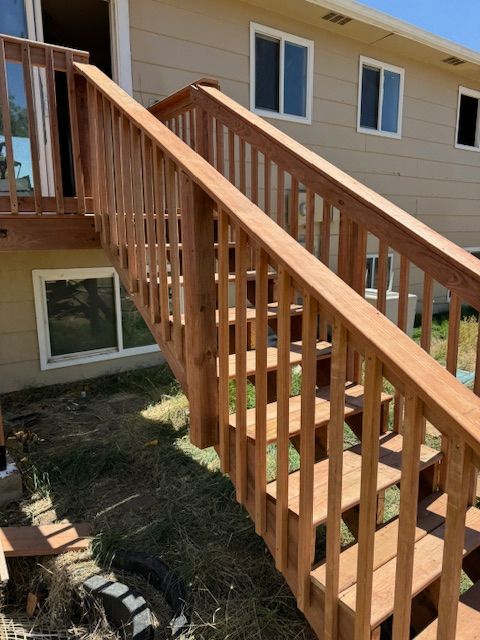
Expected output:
(241, 309)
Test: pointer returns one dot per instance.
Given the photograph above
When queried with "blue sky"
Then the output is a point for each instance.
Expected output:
(457, 20)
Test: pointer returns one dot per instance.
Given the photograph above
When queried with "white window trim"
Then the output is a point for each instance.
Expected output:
(390, 257)
(120, 44)
(465, 91)
(282, 36)
(383, 66)
(40, 276)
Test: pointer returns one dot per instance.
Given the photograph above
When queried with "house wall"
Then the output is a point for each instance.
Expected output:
(175, 42)
(19, 352)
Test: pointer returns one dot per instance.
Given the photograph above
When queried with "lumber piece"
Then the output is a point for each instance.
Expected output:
(44, 540)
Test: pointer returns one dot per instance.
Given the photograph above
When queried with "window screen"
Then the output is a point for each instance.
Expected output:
(81, 315)
(267, 72)
(295, 79)
(370, 97)
(467, 121)
(391, 99)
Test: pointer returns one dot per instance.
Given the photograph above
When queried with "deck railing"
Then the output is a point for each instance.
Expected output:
(43, 105)
(150, 172)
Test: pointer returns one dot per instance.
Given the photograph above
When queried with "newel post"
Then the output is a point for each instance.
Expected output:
(200, 306)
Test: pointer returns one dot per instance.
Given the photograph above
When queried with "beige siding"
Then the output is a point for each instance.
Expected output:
(175, 42)
(19, 354)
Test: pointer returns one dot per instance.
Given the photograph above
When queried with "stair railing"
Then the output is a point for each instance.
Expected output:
(142, 170)
(339, 220)
(31, 134)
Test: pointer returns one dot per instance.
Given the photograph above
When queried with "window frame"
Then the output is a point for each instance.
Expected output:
(283, 36)
(47, 361)
(390, 260)
(472, 93)
(382, 66)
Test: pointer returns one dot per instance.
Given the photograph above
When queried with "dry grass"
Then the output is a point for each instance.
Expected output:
(134, 474)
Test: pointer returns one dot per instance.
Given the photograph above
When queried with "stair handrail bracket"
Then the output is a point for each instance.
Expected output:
(366, 347)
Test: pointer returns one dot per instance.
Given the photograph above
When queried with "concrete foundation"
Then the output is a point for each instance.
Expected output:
(11, 488)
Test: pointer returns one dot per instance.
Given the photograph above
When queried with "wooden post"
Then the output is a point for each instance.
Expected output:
(3, 446)
(200, 305)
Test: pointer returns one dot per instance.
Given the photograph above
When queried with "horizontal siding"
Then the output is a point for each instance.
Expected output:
(19, 352)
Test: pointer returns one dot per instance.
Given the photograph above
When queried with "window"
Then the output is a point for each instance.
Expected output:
(281, 74)
(380, 98)
(371, 274)
(468, 130)
(85, 315)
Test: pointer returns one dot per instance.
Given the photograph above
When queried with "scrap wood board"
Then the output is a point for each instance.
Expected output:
(44, 540)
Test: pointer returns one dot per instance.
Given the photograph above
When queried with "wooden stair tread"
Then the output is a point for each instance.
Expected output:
(427, 565)
(468, 619)
(324, 350)
(389, 474)
(353, 405)
(272, 313)
(250, 276)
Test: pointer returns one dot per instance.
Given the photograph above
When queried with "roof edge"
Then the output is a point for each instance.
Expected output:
(383, 20)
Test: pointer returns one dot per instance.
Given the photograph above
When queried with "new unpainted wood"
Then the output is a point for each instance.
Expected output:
(389, 473)
(44, 540)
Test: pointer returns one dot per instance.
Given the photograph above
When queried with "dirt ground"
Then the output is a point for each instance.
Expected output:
(115, 452)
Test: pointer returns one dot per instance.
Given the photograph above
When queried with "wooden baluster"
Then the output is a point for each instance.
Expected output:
(412, 440)
(211, 146)
(283, 417)
(171, 191)
(402, 324)
(306, 534)
(293, 209)
(476, 385)
(454, 316)
(223, 341)
(97, 148)
(54, 135)
(243, 168)
(325, 257)
(220, 147)
(200, 308)
(310, 221)
(191, 128)
(241, 364)
(127, 191)
(109, 171)
(335, 474)
(32, 126)
(184, 128)
(267, 183)
(458, 464)
(7, 129)
(368, 494)
(142, 180)
(97, 162)
(231, 157)
(343, 247)
(427, 309)
(382, 277)
(261, 342)
(75, 135)
(120, 211)
(254, 174)
(149, 290)
(358, 270)
(280, 197)
(161, 255)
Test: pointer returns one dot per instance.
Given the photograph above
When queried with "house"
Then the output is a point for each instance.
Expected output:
(392, 105)
(200, 227)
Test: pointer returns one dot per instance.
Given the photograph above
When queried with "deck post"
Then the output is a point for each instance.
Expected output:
(200, 304)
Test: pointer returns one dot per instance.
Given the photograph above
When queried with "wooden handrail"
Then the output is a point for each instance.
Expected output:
(449, 264)
(179, 101)
(14, 48)
(449, 405)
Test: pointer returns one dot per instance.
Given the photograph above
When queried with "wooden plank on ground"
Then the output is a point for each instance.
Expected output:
(44, 540)
(3, 566)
